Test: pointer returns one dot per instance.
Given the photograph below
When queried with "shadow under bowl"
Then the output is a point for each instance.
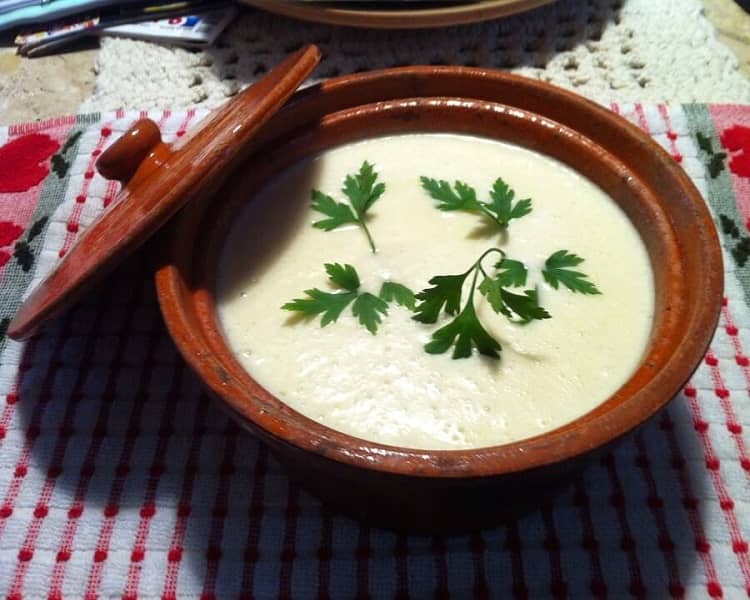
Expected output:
(454, 490)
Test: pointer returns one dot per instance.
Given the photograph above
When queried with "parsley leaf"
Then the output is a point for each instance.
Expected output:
(518, 308)
(470, 333)
(368, 308)
(466, 330)
(331, 305)
(344, 276)
(446, 291)
(361, 190)
(490, 289)
(556, 272)
(338, 212)
(402, 295)
(462, 196)
(525, 306)
(512, 273)
(502, 203)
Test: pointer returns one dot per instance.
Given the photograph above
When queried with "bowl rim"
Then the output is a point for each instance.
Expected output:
(550, 447)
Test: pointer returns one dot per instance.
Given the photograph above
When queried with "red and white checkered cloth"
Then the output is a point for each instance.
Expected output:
(120, 478)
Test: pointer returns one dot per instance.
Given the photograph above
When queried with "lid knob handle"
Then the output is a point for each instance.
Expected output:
(139, 145)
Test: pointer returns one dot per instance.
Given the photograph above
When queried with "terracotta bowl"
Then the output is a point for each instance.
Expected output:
(433, 490)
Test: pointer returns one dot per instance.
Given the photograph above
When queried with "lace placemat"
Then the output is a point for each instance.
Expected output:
(608, 50)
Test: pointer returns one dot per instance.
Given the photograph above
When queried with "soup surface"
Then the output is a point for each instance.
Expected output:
(385, 387)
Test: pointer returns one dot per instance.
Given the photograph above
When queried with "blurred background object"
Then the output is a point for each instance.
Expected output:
(607, 50)
(732, 22)
(48, 27)
(399, 14)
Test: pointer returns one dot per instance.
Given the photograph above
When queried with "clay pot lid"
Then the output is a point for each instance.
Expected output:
(158, 179)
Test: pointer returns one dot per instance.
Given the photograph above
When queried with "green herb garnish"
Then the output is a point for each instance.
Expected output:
(501, 209)
(331, 305)
(400, 294)
(362, 191)
(556, 272)
(512, 273)
(368, 308)
(465, 331)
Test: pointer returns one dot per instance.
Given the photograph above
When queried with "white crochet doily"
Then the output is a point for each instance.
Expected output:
(608, 50)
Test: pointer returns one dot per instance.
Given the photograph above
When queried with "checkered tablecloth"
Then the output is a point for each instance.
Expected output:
(119, 477)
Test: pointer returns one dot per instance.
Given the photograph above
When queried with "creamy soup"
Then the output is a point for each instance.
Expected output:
(385, 387)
